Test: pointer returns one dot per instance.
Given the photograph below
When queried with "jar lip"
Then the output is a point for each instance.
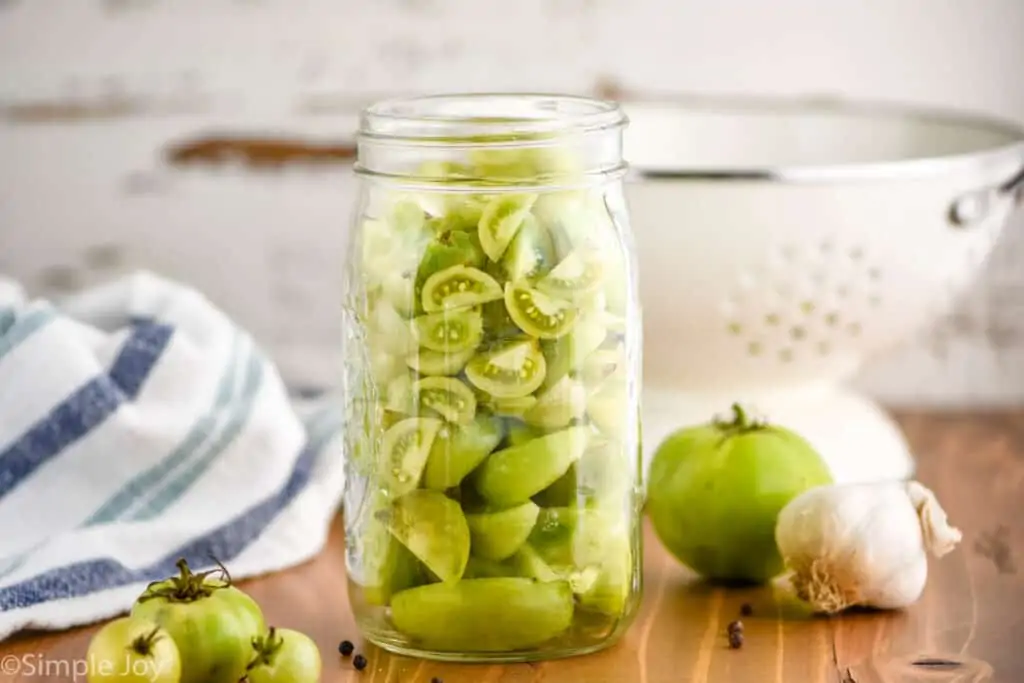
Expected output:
(486, 118)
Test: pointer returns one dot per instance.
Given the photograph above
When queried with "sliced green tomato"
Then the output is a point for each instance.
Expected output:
(434, 529)
(606, 475)
(400, 291)
(497, 535)
(448, 397)
(562, 492)
(381, 565)
(390, 331)
(577, 276)
(519, 433)
(459, 287)
(602, 544)
(567, 353)
(385, 367)
(406, 217)
(427, 362)
(403, 453)
(531, 252)
(589, 548)
(510, 407)
(614, 323)
(450, 248)
(450, 331)
(462, 213)
(501, 220)
(553, 532)
(498, 324)
(457, 451)
(508, 369)
(558, 406)
(608, 408)
(514, 475)
(602, 364)
(537, 314)
(529, 564)
(479, 568)
(502, 614)
(400, 396)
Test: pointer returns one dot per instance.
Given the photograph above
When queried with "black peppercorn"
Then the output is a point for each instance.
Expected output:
(746, 610)
(735, 640)
(359, 662)
(346, 648)
(435, 679)
(735, 626)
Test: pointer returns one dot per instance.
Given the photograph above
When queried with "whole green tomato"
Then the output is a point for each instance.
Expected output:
(212, 623)
(284, 656)
(715, 491)
(132, 650)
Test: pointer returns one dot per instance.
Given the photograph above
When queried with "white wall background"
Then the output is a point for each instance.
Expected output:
(92, 92)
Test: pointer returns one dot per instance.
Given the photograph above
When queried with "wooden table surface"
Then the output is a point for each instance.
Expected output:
(968, 627)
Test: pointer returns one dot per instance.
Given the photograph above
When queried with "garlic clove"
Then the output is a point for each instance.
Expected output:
(939, 537)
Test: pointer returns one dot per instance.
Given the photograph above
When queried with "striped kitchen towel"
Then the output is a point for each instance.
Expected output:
(139, 425)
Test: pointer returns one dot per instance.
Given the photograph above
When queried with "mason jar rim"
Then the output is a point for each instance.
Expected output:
(487, 119)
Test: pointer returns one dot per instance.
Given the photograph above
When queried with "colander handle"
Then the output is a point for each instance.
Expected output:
(973, 207)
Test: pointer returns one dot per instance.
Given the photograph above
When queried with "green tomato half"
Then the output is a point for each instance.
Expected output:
(715, 491)
(211, 622)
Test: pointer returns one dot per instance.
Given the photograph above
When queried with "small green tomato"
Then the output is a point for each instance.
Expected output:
(132, 650)
(715, 491)
(284, 656)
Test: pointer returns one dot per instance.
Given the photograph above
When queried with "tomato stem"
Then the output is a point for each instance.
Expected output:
(266, 649)
(143, 644)
(187, 586)
(741, 422)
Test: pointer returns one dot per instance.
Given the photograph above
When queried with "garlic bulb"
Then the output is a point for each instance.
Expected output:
(862, 544)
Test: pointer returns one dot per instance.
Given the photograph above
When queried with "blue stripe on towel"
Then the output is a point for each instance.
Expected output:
(238, 416)
(87, 408)
(203, 430)
(225, 543)
(17, 330)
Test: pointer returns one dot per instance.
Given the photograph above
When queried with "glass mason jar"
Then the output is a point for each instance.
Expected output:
(492, 365)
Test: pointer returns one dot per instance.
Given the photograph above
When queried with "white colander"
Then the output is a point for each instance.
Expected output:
(781, 245)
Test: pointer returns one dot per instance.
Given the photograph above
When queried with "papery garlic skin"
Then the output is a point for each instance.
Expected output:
(862, 544)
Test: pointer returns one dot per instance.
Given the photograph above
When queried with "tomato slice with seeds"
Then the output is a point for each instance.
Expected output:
(510, 369)
(459, 287)
(538, 314)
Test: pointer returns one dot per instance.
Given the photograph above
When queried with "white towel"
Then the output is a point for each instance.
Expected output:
(139, 425)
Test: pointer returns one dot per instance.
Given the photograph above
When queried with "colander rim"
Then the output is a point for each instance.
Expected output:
(999, 156)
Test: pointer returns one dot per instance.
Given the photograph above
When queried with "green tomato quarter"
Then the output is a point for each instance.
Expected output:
(716, 490)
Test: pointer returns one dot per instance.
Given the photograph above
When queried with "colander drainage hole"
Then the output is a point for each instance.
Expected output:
(754, 348)
(798, 333)
(786, 355)
(832, 319)
(772, 319)
(853, 329)
(735, 329)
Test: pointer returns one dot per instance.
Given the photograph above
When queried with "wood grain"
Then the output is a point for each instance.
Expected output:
(967, 628)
